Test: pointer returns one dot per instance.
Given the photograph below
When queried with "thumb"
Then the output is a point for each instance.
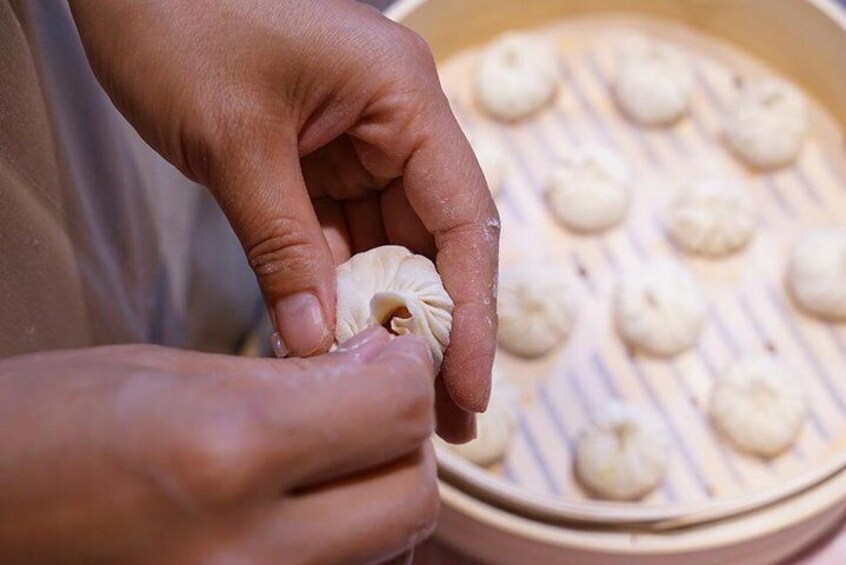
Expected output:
(263, 195)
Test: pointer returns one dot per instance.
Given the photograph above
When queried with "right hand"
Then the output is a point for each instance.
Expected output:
(136, 454)
(320, 127)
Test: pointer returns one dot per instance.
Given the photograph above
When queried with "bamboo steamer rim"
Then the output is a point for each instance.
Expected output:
(459, 472)
(764, 522)
(465, 476)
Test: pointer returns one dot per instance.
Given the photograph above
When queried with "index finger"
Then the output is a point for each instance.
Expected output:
(447, 190)
(408, 131)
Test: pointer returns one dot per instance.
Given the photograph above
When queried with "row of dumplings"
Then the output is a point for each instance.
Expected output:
(625, 451)
(660, 309)
(519, 74)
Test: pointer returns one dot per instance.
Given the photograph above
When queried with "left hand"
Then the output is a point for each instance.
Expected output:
(144, 454)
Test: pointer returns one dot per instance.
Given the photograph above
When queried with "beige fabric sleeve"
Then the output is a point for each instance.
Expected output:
(40, 290)
(101, 240)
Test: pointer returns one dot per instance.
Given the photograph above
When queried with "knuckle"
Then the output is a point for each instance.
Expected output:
(493, 223)
(412, 46)
(409, 62)
(219, 463)
(213, 131)
(282, 246)
(417, 47)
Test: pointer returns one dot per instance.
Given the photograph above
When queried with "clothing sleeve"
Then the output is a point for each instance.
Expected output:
(102, 241)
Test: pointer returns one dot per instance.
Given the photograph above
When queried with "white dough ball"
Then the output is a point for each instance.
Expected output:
(536, 309)
(758, 405)
(713, 217)
(624, 453)
(516, 76)
(660, 309)
(768, 126)
(654, 84)
(393, 287)
(588, 190)
(816, 273)
(494, 427)
(491, 156)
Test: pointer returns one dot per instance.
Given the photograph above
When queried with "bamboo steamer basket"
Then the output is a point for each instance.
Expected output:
(498, 522)
(493, 535)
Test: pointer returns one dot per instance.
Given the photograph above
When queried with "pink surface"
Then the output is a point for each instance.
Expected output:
(830, 550)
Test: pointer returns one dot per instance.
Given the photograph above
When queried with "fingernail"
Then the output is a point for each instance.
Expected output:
(472, 429)
(279, 349)
(300, 322)
(457, 428)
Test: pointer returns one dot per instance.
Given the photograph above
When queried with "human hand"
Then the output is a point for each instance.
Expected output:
(321, 129)
(142, 454)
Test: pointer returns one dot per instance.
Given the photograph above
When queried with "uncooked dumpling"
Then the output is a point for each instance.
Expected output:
(768, 126)
(588, 190)
(491, 157)
(758, 405)
(816, 273)
(494, 427)
(535, 307)
(516, 76)
(659, 309)
(624, 453)
(392, 287)
(712, 217)
(654, 83)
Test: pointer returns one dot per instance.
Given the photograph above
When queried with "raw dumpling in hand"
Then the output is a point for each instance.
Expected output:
(536, 309)
(494, 427)
(712, 217)
(588, 190)
(491, 157)
(816, 273)
(768, 126)
(758, 405)
(624, 453)
(660, 309)
(393, 287)
(654, 84)
(516, 76)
